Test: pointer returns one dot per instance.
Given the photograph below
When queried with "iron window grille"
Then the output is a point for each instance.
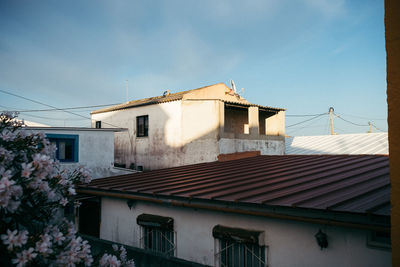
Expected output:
(157, 234)
(235, 247)
(142, 126)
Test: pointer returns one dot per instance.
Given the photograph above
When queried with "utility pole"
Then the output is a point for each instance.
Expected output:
(127, 91)
(331, 114)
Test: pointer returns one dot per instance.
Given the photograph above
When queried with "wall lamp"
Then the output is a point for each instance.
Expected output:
(322, 239)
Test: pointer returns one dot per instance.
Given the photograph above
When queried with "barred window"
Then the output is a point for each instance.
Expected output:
(235, 247)
(157, 234)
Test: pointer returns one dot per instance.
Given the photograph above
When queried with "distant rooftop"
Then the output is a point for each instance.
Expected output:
(232, 98)
(365, 143)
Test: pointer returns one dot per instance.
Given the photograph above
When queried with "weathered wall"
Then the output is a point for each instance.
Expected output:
(160, 148)
(289, 243)
(392, 36)
(274, 146)
(96, 151)
(180, 132)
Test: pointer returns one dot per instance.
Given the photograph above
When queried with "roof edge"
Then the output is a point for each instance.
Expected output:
(273, 211)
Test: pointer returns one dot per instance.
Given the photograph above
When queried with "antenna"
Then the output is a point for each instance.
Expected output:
(233, 86)
(127, 99)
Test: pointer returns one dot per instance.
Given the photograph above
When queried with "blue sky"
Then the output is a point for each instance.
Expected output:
(305, 56)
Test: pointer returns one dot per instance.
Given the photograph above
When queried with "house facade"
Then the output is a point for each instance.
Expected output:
(191, 127)
(307, 210)
(92, 148)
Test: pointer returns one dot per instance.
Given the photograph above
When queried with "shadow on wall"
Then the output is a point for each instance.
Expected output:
(177, 138)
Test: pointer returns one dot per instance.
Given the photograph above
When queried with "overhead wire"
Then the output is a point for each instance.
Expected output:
(50, 106)
(360, 117)
(357, 124)
(62, 109)
(316, 116)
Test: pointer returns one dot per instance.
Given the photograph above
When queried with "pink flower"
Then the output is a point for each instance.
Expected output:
(64, 201)
(28, 254)
(20, 260)
(26, 169)
(10, 239)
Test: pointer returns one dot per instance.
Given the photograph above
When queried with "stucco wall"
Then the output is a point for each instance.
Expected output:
(96, 151)
(288, 243)
(266, 147)
(180, 132)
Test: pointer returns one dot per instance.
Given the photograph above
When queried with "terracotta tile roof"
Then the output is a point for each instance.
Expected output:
(343, 183)
(172, 97)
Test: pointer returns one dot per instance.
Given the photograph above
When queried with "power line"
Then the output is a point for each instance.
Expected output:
(55, 119)
(304, 115)
(365, 118)
(317, 116)
(50, 106)
(62, 109)
(356, 124)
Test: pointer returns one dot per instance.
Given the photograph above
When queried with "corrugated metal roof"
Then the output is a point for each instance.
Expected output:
(169, 98)
(348, 183)
(352, 144)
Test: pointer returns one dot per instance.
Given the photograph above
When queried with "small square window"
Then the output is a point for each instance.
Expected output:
(142, 126)
(67, 146)
(98, 124)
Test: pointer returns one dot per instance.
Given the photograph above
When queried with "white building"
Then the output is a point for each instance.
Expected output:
(191, 127)
(92, 148)
(283, 211)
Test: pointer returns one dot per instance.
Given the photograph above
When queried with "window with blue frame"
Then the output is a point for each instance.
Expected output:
(67, 146)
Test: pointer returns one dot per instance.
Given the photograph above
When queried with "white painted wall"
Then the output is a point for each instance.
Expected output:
(266, 147)
(96, 151)
(289, 243)
(180, 132)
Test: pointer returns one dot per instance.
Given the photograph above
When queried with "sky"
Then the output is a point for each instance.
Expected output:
(302, 55)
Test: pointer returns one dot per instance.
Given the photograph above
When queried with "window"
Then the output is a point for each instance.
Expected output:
(142, 126)
(157, 233)
(379, 239)
(235, 247)
(67, 146)
(98, 124)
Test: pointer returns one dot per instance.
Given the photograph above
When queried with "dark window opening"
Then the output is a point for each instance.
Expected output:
(142, 126)
(378, 239)
(67, 147)
(98, 124)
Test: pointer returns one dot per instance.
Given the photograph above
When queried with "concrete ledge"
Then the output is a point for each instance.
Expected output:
(142, 258)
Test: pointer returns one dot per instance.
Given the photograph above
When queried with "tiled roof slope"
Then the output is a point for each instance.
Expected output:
(347, 183)
(178, 96)
(353, 144)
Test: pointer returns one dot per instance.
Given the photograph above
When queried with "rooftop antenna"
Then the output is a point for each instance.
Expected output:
(233, 86)
(127, 91)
